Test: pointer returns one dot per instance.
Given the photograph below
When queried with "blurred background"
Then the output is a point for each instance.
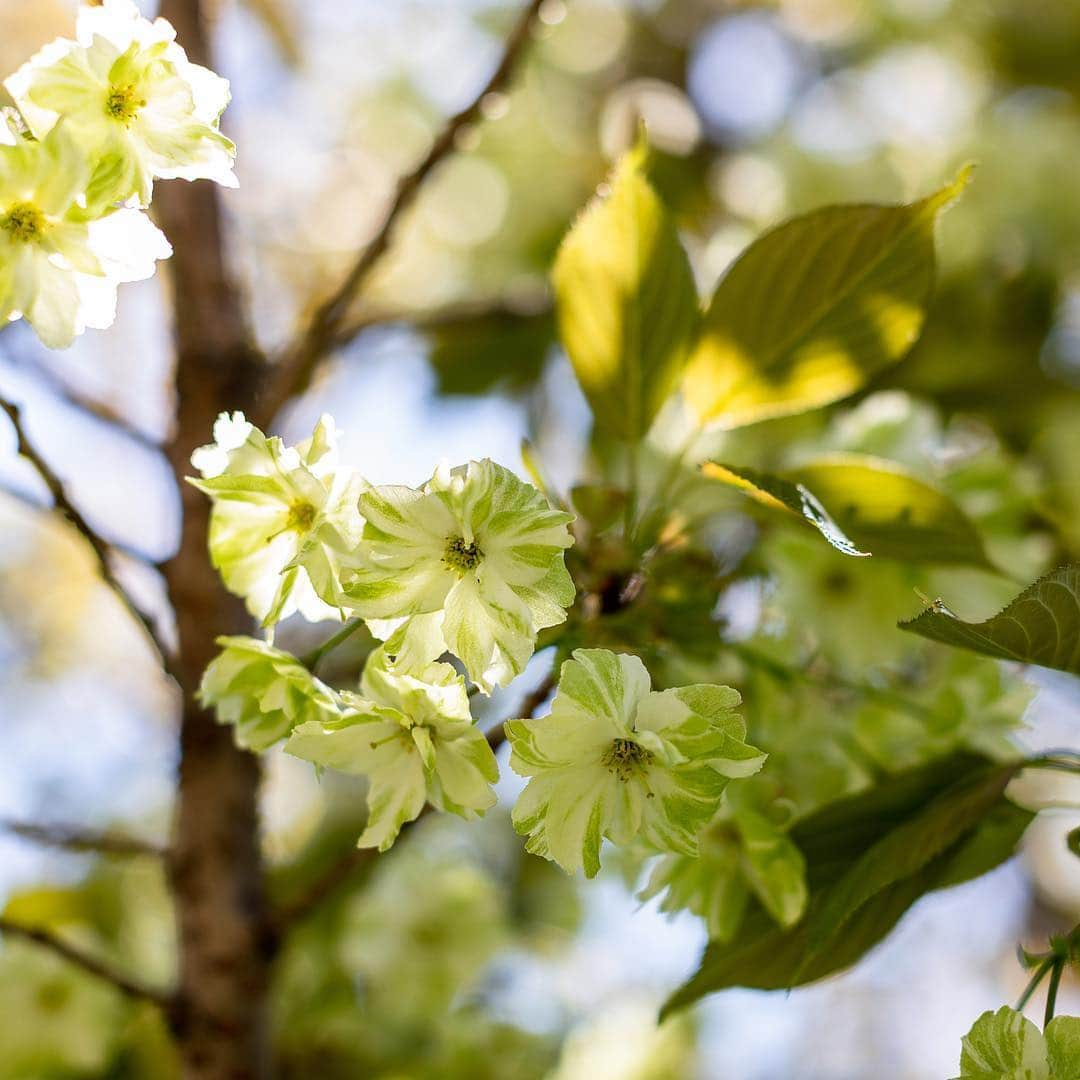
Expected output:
(460, 956)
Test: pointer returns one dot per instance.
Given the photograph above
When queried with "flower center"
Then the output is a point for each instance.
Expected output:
(23, 222)
(301, 516)
(123, 104)
(625, 758)
(460, 556)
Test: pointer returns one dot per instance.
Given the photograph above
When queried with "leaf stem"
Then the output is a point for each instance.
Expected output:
(311, 660)
(1033, 983)
(1052, 989)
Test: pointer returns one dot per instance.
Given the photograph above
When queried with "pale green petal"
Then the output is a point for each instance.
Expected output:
(397, 795)
(563, 815)
(280, 535)
(773, 865)
(1004, 1046)
(465, 769)
(1062, 1037)
(488, 628)
(603, 684)
(263, 692)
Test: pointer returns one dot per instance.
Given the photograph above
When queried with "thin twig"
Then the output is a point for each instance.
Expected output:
(311, 660)
(296, 368)
(91, 407)
(327, 884)
(76, 838)
(100, 547)
(130, 987)
(503, 310)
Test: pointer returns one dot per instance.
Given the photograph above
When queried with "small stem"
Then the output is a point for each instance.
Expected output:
(632, 480)
(311, 660)
(1052, 989)
(76, 838)
(786, 674)
(90, 964)
(1033, 984)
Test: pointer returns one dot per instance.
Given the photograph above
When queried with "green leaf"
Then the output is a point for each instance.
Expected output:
(905, 850)
(814, 308)
(1041, 626)
(835, 839)
(777, 493)
(866, 506)
(626, 305)
(890, 512)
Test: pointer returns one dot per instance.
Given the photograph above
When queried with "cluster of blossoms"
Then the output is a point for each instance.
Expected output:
(469, 565)
(95, 121)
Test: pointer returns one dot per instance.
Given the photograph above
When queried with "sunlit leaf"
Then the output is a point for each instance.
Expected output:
(1041, 626)
(814, 308)
(889, 512)
(777, 493)
(833, 841)
(626, 305)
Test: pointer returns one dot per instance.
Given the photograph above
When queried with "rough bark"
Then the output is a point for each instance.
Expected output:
(217, 873)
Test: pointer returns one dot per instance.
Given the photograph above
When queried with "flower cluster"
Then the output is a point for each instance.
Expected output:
(96, 121)
(471, 564)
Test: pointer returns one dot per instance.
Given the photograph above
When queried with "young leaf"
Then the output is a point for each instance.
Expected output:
(1041, 626)
(814, 308)
(777, 493)
(833, 840)
(626, 305)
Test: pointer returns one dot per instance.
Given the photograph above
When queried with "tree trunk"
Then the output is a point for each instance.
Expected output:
(217, 873)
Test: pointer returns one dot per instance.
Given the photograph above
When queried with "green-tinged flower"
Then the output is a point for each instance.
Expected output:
(135, 103)
(1005, 1045)
(741, 852)
(617, 759)
(473, 564)
(284, 518)
(58, 269)
(411, 734)
(262, 692)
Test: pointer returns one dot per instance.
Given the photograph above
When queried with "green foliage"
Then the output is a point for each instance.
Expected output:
(627, 307)
(779, 494)
(1041, 626)
(814, 308)
(863, 876)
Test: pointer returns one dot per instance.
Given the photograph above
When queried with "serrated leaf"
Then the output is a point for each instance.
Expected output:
(1041, 626)
(814, 308)
(832, 841)
(626, 305)
(891, 513)
(779, 494)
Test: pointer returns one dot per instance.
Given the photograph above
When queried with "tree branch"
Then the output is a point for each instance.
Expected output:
(76, 838)
(89, 406)
(341, 871)
(324, 331)
(132, 988)
(503, 310)
(100, 547)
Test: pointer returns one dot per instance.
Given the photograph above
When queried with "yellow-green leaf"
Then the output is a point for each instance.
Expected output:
(1041, 626)
(866, 506)
(779, 494)
(814, 308)
(889, 512)
(626, 305)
